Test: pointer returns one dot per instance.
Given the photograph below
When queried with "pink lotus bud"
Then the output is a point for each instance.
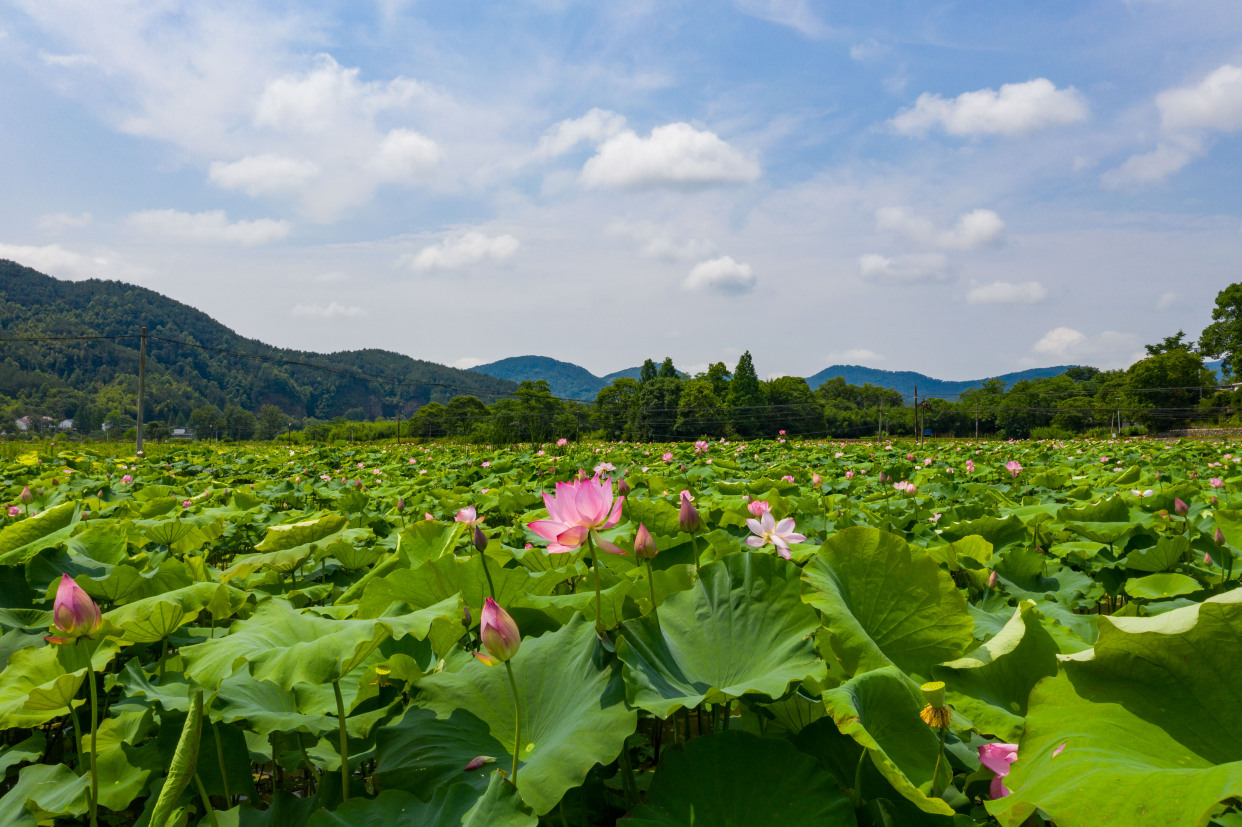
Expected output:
(582, 475)
(400, 504)
(1207, 559)
(26, 496)
(816, 479)
(992, 580)
(1219, 537)
(623, 489)
(466, 622)
(758, 507)
(469, 516)
(358, 484)
(73, 612)
(498, 632)
(188, 503)
(644, 544)
(480, 539)
(688, 518)
(1180, 508)
(86, 514)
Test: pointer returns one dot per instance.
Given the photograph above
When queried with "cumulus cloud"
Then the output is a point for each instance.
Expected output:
(263, 174)
(857, 355)
(211, 227)
(674, 154)
(56, 261)
(594, 127)
(661, 243)
(463, 250)
(721, 275)
(1004, 292)
(917, 267)
(1016, 109)
(55, 222)
(334, 310)
(403, 155)
(976, 228)
(1108, 349)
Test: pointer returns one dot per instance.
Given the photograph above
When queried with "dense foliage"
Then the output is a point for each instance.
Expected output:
(800, 633)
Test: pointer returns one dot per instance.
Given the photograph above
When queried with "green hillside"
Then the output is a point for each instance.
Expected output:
(95, 377)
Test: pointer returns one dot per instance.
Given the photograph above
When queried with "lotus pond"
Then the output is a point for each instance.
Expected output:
(811, 634)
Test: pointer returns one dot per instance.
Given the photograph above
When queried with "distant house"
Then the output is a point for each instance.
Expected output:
(182, 433)
(23, 424)
(65, 425)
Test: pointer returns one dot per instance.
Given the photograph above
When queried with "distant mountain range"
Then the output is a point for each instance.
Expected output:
(571, 381)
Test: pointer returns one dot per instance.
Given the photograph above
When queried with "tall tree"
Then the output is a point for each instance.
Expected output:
(1168, 343)
(745, 398)
(648, 371)
(667, 371)
(1223, 337)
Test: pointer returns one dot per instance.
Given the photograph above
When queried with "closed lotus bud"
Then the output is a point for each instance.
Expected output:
(73, 612)
(1219, 537)
(582, 475)
(688, 518)
(498, 632)
(992, 580)
(26, 496)
(86, 514)
(468, 618)
(358, 484)
(480, 539)
(1207, 559)
(623, 489)
(400, 503)
(1180, 508)
(644, 544)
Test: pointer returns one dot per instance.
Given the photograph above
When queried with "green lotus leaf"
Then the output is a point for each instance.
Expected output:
(996, 530)
(573, 709)
(23, 752)
(39, 682)
(886, 602)
(154, 618)
(428, 540)
(1161, 586)
(25, 538)
(991, 684)
(124, 583)
(283, 561)
(1029, 575)
(741, 630)
(1161, 557)
(880, 710)
(422, 753)
(446, 576)
(44, 792)
(122, 771)
(100, 541)
(288, 647)
(1107, 533)
(1150, 721)
(737, 779)
(1108, 510)
(292, 535)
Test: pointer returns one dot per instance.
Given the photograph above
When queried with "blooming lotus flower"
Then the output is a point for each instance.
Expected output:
(14, 511)
(849, 475)
(1142, 494)
(499, 634)
(562, 442)
(700, 447)
(688, 517)
(1014, 467)
(759, 507)
(73, 612)
(997, 758)
(816, 479)
(469, 516)
(579, 508)
(767, 530)
(604, 467)
(1216, 482)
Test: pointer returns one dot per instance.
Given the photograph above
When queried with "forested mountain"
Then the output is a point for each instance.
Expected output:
(96, 378)
(905, 381)
(565, 379)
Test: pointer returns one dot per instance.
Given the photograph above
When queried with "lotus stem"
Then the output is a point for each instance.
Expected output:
(491, 587)
(77, 737)
(340, 720)
(936, 788)
(627, 778)
(517, 721)
(694, 544)
(202, 792)
(224, 776)
(858, 773)
(651, 586)
(599, 607)
(94, 802)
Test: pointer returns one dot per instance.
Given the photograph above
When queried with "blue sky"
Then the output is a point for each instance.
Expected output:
(961, 189)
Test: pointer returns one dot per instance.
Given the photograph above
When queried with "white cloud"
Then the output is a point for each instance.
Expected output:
(1215, 103)
(404, 155)
(594, 127)
(55, 222)
(867, 50)
(466, 362)
(1004, 292)
(676, 154)
(333, 310)
(721, 275)
(860, 355)
(67, 61)
(328, 96)
(661, 243)
(1149, 167)
(209, 227)
(1018, 108)
(1166, 300)
(464, 250)
(795, 14)
(907, 268)
(263, 174)
(1108, 349)
(55, 260)
(974, 229)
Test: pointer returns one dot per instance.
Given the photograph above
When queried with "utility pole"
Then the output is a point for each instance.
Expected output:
(976, 422)
(917, 430)
(879, 434)
(397, 418)
(142, 382)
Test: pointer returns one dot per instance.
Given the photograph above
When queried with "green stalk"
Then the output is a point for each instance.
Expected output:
(694, 544)
(487, 573)
(599, 603)
(340, 720)
(94, 798)
(517, 721)
(858, 773)
(651, 586)
(77, 737)
(936, 788)
(224, 776)
(627, 778)
(202, 791)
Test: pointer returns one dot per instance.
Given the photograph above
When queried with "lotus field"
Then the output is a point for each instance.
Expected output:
(762, 633)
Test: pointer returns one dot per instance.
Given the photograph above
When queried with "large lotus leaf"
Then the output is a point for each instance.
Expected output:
(1229, 521)
(1108, 510)
(124, 583)
(1030, 575)
(562, 607)
(288, 647)
(25, 538)
(427, 540)
(970, 552)
(102, 541)
(1161, 557)
(737, 779)
(38, 683)
(741, 630)
(996, 530)
(394, 807)
(1150, 720)
(1161, 586)
(573, 709)
(182, 533)
(886, 602)
(990, 686)
(1107, 533)
(442, 578)
(880, 710)
(283, 561)
(48, 790)
(422, 753)
(155, 618)
(122, 771)
(291, 535)
(24, 752)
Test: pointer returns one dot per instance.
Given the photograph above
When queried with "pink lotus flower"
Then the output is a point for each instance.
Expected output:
(908, 487)
(73, 612)
(849, 475)
(644, 544)
(469, 516)
(767, 530)
(499, 634)
(788, 478)
(668, 456)
(700, 447)
(997, 758)
(562, 442)
(782, 432)
(1014, 467)
(127, 479)
(1216, 482)
(970, 466)
(816, 479)
(1142, 494)
(604, 467)
(759, 507)
(578, 509)
(14, 511)
(688, 518)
